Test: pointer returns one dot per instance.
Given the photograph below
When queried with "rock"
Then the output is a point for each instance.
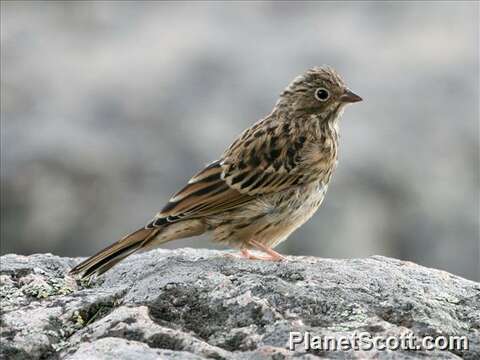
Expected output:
(196, 304)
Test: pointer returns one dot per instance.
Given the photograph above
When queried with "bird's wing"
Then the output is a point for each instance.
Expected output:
(253, 165)
(205, 194)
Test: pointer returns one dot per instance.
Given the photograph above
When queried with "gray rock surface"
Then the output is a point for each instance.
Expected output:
(195, 304)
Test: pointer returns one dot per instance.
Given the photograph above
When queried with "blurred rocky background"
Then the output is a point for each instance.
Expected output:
(108, 107)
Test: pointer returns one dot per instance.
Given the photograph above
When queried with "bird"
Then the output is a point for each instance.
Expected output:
(266, 184)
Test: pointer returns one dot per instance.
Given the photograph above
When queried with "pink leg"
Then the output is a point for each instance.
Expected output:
(248, 255)
(274, 256)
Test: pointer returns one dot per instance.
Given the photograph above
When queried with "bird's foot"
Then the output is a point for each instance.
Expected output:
(245, 254)
(272, 254)
(248, 255)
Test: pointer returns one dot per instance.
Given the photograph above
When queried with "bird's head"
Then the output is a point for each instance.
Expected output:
(319, 90)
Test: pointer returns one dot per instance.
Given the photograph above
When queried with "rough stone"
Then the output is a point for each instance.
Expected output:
(196, 304)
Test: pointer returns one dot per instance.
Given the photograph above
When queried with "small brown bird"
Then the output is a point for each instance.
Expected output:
(269, 182)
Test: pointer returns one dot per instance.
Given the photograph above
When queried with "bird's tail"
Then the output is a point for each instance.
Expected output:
(142, 239)
(108, 257)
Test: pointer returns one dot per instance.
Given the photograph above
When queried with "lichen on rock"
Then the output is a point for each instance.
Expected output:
(196, 304)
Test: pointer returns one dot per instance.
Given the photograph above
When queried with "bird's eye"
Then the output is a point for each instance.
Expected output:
(322, 94)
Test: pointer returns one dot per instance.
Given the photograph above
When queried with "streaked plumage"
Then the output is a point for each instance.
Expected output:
(265, 185)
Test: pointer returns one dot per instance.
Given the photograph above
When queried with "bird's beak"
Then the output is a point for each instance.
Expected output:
(350, 97)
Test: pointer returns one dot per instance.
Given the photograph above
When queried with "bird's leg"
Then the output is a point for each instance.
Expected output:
(245, 254)
(248, 255)
(273, 255)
